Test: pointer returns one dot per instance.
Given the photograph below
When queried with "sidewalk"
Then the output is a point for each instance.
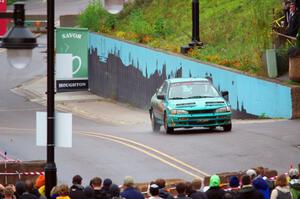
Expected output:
(84, 104)
(92, 107)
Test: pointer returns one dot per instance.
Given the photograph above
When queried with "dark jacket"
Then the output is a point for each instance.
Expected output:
(182, 196)
(164, 194)
(131, 193)
(215, 193)
(27, 195)
(198, 195)
(294, 24)
(88, 192)
(100, 194)
(248, 192)
(261, 185)
(76, 191)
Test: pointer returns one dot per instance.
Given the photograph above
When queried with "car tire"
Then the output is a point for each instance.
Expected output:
(169, 130)
(227, 127)
(154, 124)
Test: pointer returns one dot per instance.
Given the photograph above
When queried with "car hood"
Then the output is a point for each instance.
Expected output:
(203, 103)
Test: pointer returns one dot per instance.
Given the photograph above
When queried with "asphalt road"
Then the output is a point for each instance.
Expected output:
(101, 149)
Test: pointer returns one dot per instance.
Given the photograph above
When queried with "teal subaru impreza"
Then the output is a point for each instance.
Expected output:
(187, 103)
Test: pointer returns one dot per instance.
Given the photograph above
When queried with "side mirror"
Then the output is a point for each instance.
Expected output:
(161, 97)
(225, 95)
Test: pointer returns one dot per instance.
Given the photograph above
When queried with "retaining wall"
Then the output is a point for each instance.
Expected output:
(131, 73)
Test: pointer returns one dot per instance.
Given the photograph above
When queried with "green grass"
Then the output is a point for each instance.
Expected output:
(236, 33)
(9, 2)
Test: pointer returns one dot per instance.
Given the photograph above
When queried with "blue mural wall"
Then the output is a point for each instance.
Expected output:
(247, 94)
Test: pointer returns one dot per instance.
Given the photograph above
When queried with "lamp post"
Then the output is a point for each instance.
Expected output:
(50, 169)
(19, 42)
(195, 30)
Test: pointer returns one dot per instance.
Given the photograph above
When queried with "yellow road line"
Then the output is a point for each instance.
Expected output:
(145, 152)
(16, 110)
(17, 129)
(126, 142)
(152, 149)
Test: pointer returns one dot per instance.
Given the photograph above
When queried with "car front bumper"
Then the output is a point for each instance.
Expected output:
(199, 120)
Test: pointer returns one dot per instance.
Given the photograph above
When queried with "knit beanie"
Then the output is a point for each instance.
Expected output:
(234, 181)
(40, 181)
(214, 181)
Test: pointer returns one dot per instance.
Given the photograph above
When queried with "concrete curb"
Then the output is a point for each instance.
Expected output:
(83, 104)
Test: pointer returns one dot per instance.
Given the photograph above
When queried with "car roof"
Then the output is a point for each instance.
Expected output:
(178, 80)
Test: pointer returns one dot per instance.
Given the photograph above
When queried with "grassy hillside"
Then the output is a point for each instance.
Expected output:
(235, 32)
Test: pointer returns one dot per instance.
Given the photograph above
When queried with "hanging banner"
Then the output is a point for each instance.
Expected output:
(71, 66)
(3, 22)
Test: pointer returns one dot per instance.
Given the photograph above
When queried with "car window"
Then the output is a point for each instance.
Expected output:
(185, 90)
(163, 89)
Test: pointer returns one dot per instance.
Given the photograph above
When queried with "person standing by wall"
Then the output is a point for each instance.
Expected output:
(294, 20)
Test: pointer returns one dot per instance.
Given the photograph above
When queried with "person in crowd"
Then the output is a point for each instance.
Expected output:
(1, 191)
(64, 192)
(129, 191)
(195, 190)
(8, 192)
(282, 189)
(181, 190)
(76, 190)
(96, 185)
(54, 193)
(20, 189)
(88, 193)
(188, 189)
(294, 183)
(261, 185)
(215, 191)
(234, 187)
(105, 188)
(29, 191)
(163, 192)
(247, 190)
(252, 173)
(13, 188)
(294, 21)
(114, 191)
(154, 191)
(40, 185)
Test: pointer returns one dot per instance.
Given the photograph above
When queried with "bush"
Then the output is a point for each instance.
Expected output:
(96, 18)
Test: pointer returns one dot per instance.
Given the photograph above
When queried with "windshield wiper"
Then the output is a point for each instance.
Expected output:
(177, 98)
(201, 97)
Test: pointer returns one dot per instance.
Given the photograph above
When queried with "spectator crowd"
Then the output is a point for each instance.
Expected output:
(251, 185)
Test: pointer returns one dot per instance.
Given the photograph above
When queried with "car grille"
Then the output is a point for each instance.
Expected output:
(218, 103)
(202, 111)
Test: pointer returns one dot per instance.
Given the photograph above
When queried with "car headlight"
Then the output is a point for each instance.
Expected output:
(178, 112)
(223, 109)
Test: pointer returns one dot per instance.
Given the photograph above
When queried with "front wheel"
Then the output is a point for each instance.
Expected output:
(154, 124)
(227, 127)
(169, 130)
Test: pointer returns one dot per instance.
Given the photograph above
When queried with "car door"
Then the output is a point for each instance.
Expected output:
(160, 106)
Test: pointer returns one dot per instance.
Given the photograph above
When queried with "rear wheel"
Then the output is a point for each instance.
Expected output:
(169, 130)
(154, 124)
(227, 127)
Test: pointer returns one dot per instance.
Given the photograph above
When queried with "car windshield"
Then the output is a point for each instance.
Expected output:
(188, 90)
